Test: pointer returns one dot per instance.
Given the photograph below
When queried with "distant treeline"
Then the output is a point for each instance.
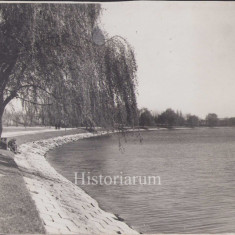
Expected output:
(170, 118)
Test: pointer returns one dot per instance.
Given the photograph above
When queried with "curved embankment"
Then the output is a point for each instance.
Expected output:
(64, 207)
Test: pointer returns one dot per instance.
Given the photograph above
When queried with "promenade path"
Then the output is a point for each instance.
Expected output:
(18, 213)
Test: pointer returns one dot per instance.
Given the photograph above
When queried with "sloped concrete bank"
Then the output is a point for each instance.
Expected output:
(63, 207)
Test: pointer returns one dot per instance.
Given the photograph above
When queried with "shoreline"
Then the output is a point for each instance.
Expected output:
(63, 206)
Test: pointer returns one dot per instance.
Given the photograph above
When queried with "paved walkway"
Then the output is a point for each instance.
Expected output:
(64, 207)
(28, 131)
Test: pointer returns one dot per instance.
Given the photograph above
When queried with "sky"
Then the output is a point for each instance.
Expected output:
(185, 53)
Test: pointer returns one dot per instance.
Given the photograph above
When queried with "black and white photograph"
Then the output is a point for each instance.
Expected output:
(117, 117)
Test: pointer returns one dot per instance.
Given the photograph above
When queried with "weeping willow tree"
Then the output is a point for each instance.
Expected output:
(49, 60)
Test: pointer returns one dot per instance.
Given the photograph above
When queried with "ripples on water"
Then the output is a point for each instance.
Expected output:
(197, 169)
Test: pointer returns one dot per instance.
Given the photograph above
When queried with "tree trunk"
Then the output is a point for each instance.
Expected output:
(2, 107)
(1, 114)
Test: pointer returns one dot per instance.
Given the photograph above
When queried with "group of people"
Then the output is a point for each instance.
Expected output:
(57, 126)
(11, 144)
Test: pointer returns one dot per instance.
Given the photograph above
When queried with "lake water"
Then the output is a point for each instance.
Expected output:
(196, 167)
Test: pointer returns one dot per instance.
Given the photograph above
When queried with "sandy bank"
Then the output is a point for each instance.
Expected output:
(63, 207)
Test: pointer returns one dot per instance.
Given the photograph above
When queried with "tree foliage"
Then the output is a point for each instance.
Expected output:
(212, 119)
(192, 120)
(169, 117)
(49, 60)
(146, 118)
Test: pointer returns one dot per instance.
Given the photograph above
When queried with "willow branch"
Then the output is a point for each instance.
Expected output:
(31, 102)
(39, 87)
